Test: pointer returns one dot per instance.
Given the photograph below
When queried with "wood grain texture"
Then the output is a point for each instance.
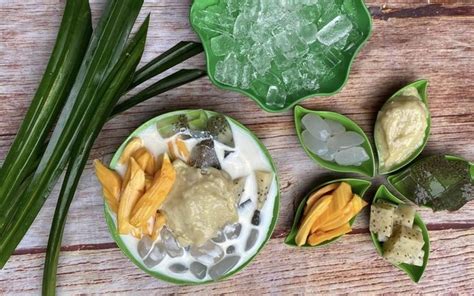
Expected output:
(411, 39)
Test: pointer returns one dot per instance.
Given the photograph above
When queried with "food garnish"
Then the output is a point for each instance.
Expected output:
(132, 146)
(327, 214)
(132, 192)
(111, 184)
(441, 182)
(402, 127)
(151, 201)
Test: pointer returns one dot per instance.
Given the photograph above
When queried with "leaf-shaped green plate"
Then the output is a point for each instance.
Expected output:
(356, 9)
(359, 187)
(414, 272)
(367, 168)
(175, 278)
(439, 182)
(421, 86)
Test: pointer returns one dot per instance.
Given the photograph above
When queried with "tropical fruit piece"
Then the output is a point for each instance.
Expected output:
(132, 192)
(132, 146)
(264, 181)
(147, 206)
(221, 130)
(342, 195)
(111, 184)
(321, 236)
(182, 149)
(381, 218)
(160, 221)
(316, 211)
(204, 155)
(183, 123)
(352, 209)
(404, 215)
(317, 195)
(403, 246)
(239, 188)
(146, 160)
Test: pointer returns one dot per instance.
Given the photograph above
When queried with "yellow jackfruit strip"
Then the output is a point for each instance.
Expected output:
(182, 148)
(352, 209)
(132, 193)
(153, 198)
(132, 146)
(111, 184)
(318, 194)
(146, 160)
(319, 237)
(314, 213)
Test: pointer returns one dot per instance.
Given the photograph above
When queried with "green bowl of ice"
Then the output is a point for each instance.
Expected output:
(279, 53)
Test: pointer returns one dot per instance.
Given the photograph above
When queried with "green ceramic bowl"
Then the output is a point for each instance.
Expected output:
(327, 87)
(421, 86)
(359, 187)
(367, 168)
(174, 278)
(414, 272)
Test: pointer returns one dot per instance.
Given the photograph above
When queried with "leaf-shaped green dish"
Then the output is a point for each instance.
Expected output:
(356, 10)
(358, 186)
(414, 272)
(272, 210)
(440, 182)
(367, 168)
(421, 87)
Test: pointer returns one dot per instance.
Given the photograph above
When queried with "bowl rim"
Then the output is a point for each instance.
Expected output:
(297, 101)
(116, 237)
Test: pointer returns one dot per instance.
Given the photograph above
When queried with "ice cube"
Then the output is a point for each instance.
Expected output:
(260, 60)
(335, 127)
(219, 238)
(315, 65)
(329, 155)
(335, 30)
(351, 156)
(314, 144)
(209, 253)
(220, 269)
(242, 26)
(308, 33)
(251, 240)
(213, 21)
(233, 231)
(345, 140)
(178, 268)
(144, 246)
(276, 96)
(222, 45)
(198, 269)
(233, 6)
(171, 245)
(247, 77)
(156, 255)
(227, 71)
(316, 126)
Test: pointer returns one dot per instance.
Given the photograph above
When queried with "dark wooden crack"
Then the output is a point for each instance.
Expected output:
(431, 10)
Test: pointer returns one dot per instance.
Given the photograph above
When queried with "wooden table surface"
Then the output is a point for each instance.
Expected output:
(411, 39)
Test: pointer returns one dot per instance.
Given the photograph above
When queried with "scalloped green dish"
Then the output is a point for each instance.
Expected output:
(270, 208)
(367, 168)
(358, 186)
(414, 272)
(343, 59)
(421, 86)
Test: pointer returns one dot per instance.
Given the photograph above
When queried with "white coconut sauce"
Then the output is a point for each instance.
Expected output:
(246, 158)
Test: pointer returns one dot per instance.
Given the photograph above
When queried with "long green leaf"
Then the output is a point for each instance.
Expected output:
(63, 66)
(177, 79)
(107, 44)
(170, 58)
(120, 78)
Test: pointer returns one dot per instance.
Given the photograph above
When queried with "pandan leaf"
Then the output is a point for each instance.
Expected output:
(367, 168)
(414, 272)
(440, 182)
(358, 186)
(28, 146)
(421, 87)
(103, 53)
(120, 78)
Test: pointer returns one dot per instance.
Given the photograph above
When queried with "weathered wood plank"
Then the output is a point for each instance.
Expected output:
(351, 264)
(411, 39)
